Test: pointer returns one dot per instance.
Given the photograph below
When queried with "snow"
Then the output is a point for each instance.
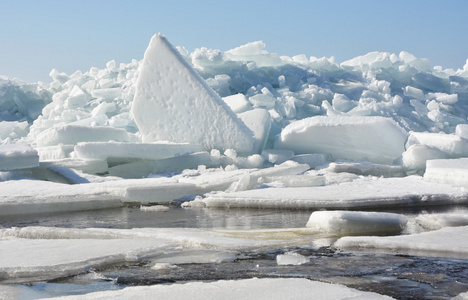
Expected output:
(255, 288)
(342, 223)
(445, 242)
(173, 103)
(374, 139)
(449, 171)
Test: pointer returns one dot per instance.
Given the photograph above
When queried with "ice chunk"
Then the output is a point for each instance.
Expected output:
(313, 160)
(292, 258)
(446, 242)
(73, 134)
(18, 156)
(238, 103)
(277, 156)
(453, 145)
(54, 152)
(462, 130)
(162, 193)
(414, 93)
(367, 168)
(376, 139)
(343, 223)
(448, 171)
(187, 110)
(103, 150)
(155, 208)
(12, 130)
(259, 122)
(416, 156)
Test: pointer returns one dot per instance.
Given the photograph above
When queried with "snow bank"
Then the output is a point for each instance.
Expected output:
(374, 139)
(343, 223)
(255, 288)
(446, 242)
(187, 109)
(363, 192)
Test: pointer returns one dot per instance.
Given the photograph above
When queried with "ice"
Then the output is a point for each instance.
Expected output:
(448, 171)
(446, 242)
(462, 131)
(254, 288)
(366, 168)
(259, 122)
(360, 193)
(452, 145)
(376, 139)
(313, 160)
(119, 150)
(277, 156)
(342, 223)
(17, 156)
(187, 109)
(238, 103)
(155, 208)
(416, 156)
(292, 258)
(73, 134)
(14, 130)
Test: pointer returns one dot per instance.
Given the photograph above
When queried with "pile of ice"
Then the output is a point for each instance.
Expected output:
(243, 122)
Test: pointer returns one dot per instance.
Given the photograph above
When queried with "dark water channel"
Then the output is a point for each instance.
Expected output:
(398, 276)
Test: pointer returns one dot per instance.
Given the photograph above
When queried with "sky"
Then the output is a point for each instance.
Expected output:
(68, 35)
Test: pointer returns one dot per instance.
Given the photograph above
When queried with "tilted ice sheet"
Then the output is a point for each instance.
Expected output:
(446, 242)
(375, 139)
(173, 103)
(255, 288)
(364, 192)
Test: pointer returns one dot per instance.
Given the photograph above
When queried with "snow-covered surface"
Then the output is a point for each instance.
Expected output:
(18, 156)
(255, 288)
(446, 242)
(449, 171)
(173, 103)
(362, 192)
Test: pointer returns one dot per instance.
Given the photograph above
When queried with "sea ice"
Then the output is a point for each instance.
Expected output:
(375, 139)
(416, 156)
(254, 288)
(342, 223)
(448, 171)
(291, 258)
(17, 156)
(452, 145)
(187, 110)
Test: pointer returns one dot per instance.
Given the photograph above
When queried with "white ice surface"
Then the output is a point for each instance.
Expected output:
(446, 242)
(173, 103)
(265, 288)
(363, 192)
(452, 145)
(291, 259)
(448, 171)
(375, 139)
(343, 223)
(160, 150)
(17, 156)
(366, 168)
(259, 122)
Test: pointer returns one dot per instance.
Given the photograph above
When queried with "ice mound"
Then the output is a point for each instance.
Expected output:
(374, 139)
(343, 223)
(293, 259)
(173, 103)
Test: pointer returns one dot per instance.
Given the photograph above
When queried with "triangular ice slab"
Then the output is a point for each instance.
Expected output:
(173, 103)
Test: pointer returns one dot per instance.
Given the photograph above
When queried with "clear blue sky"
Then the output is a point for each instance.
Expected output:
(70, 35)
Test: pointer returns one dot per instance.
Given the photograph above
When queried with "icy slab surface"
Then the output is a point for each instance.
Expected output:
(35, 196)
(17, 156)
(238, 103)
(173, 103)
(366, 169)
(73, 134)
(343, 223)
(446, 242)
(363, 192)
(255, 288)
(375, 139)
(45, 259)
(104, 150)
(448, 171)
(416, 156)
(259, 122)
